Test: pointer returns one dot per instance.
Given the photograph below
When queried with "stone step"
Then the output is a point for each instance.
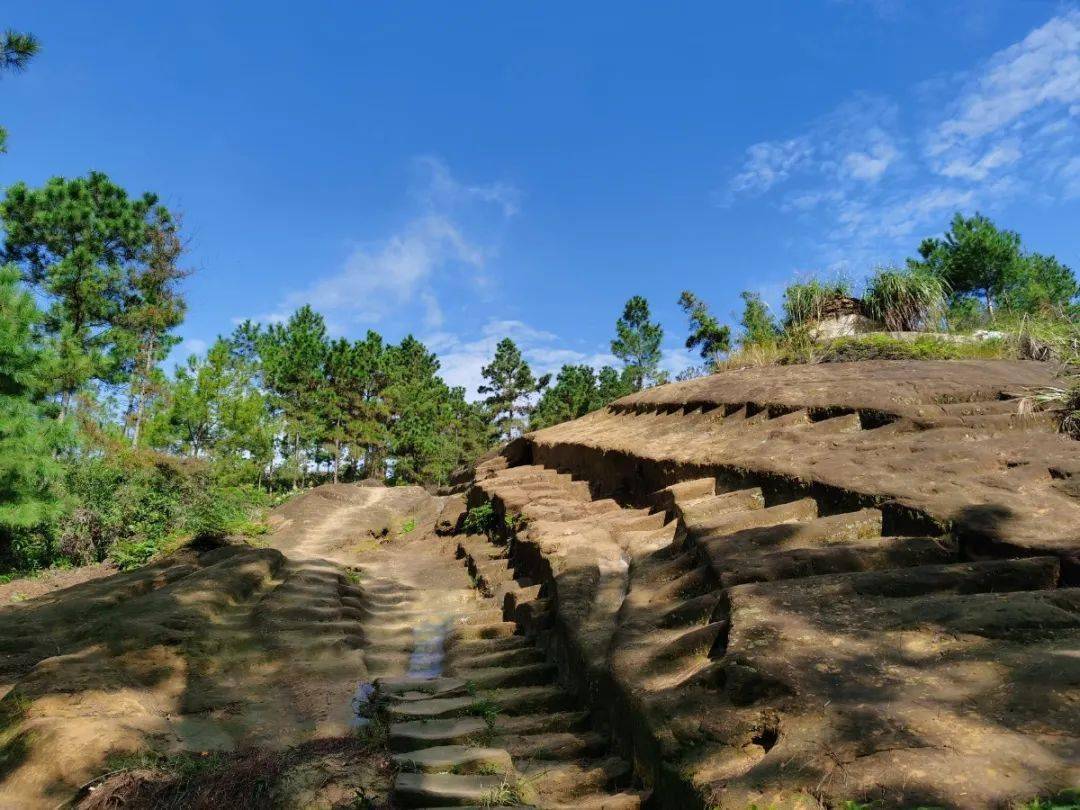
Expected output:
(555, 745)
(447, 790)
(522, 656)
(614, 801)
(740, 500)
(503, 676)
(716, 525)
(637, 520)
(484, 632)
(413, 735)
(890, 552)
(566, 781)
(737, 550)
(682, 492)
(550, 723)
(431, 708)
(432, 687)
(530, 699)
(466, 649)
(459, 759)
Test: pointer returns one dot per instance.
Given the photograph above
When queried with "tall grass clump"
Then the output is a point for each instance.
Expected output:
(806, 301)
(905, 300)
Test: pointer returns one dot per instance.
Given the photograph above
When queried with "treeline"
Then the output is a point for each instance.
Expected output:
(104, 453)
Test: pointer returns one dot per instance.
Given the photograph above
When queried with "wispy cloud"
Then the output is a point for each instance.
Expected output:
(870, 179)
(463, 358)
(383, 277)
(450, 240)
(440, 190)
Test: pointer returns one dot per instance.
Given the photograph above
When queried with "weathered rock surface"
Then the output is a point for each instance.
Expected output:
(808, 585)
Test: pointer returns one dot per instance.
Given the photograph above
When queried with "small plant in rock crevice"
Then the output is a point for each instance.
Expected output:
(480, 520)
(512, 791)
(485, 708)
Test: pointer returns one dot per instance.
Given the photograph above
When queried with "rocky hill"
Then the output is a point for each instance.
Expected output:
(857, 582)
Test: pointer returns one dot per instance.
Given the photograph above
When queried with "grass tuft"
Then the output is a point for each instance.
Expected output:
(905, 300)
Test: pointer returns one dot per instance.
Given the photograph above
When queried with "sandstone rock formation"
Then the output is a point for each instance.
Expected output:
(850, 582)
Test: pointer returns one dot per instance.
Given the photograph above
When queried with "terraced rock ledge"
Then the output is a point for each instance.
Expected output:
(801, 586)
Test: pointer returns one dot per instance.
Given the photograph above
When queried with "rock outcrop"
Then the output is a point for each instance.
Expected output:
(807, 585)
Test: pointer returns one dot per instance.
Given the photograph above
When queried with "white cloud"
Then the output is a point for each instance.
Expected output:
(449, 240)
(1011, 127)
(771, 162)
(871, 164)
(442, 191)
(1003, 154)
(1042, 69)
(382, 278)
(191, 346)
(1071, 174)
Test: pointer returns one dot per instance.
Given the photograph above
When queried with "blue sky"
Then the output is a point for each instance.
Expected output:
(463, 171)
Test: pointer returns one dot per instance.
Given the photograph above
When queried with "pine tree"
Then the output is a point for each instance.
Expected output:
(74, 240)
(510, 382)
(16, 51)
(152, 308)
(30, 475)
(421, 444)
(573, 394)
(369, 432)
(611, 385)
(707, 334)
(637, 344)
(757, 324)
(293, 356)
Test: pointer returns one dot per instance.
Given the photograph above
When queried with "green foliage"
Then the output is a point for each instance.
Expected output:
(905, 300)
(135, 504)
(30, 476)
(1066, 800)
(973, 258)
(509, 383)
(976, 258)
(1041, 285)
(480, 519)
(758, 326)
(805, 302)
(408, 526)
(637, 344)
(706, 332)
(577, 391)
(433, 430)
(16, 51)
(76, 242)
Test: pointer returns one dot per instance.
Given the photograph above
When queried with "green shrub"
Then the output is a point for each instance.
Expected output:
(132, 505)
(480, 520)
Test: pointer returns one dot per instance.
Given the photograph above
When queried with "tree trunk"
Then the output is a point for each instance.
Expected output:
(144, 385)
(337, 458)
(989, 304)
